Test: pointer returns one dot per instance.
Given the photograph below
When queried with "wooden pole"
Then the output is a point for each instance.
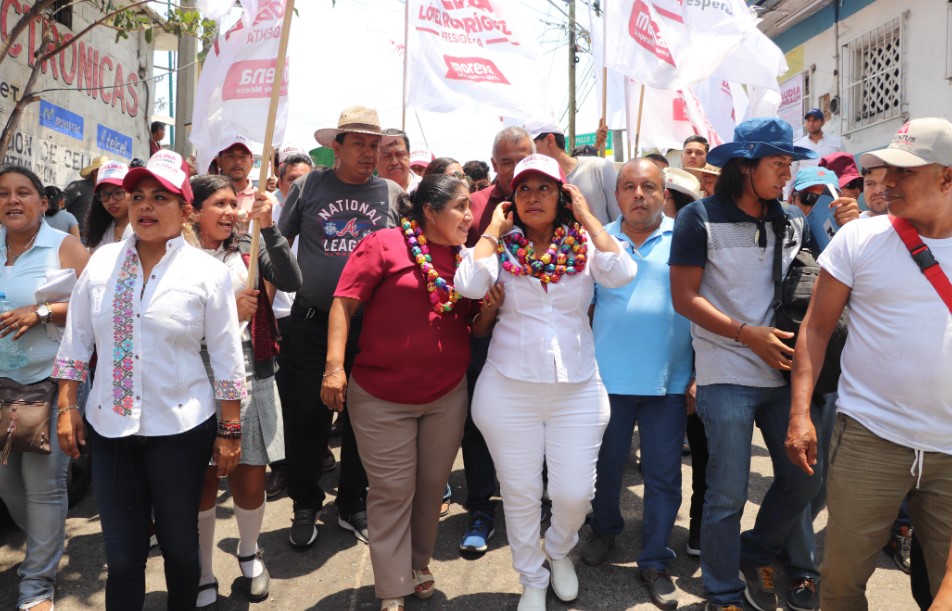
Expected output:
(572, 55)
(641, 105)
(268, 151)
(601, 152)
(406, 61)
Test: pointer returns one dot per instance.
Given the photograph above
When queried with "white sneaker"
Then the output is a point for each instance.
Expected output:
(563, 579)
(532, 599)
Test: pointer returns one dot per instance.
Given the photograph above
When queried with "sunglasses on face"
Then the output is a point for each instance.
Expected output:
(809, 199)
(854, 184)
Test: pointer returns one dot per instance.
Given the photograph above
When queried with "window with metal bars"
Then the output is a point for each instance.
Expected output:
(873, 89)
(63, 12)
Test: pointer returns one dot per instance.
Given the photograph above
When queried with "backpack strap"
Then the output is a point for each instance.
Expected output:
(923, 258)
(780, 234)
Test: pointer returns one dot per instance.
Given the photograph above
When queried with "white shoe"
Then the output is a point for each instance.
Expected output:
(563, 579)
(532, 599)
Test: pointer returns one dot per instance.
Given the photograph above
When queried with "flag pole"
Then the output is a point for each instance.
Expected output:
(628, 118)
(641, 105)
(268, 152)
(601, 152)
(406, 60)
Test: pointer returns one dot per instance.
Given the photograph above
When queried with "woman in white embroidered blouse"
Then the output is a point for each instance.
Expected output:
(539, 399)
(145, 304)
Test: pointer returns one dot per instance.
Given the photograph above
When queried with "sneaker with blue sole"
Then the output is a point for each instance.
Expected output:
(478, 533)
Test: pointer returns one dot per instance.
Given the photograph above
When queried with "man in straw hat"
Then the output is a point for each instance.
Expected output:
(722, 258)
(895, 392)
(79, 193)
(328, 213)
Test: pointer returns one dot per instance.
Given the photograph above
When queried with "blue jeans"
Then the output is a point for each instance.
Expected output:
(729, 412)
(136, 478)
(661, 422)
(33, 487)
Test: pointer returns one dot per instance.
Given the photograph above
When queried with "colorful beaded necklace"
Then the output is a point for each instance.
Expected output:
(435, 285)
(566, 255)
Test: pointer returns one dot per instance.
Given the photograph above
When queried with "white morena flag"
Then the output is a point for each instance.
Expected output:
(665, 122)
(467, 55)
(616, 117)
(234, 89)
(214, 9)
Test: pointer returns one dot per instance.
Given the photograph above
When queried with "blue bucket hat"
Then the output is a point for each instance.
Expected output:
(808, 177)
(756, 138)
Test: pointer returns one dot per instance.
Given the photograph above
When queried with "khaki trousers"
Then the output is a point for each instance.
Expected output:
(869, 476)
(408, 452)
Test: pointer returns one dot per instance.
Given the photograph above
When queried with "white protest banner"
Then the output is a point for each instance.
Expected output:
(635, 45)
(234, 88)
(665, 122)
(466, 54)
(615, 87)
(791, 103)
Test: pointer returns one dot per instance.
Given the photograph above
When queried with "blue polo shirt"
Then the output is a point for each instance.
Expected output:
(643, 347)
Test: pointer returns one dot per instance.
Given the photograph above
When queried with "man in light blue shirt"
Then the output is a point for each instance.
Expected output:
(645, 359)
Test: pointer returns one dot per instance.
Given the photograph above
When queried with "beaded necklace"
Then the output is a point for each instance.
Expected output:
(435, 285)
(566, 255)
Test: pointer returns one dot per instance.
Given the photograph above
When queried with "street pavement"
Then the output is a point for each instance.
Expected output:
(336, 573)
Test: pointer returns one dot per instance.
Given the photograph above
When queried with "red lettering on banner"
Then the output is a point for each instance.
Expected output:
(15, 48)
(88, 77)
(117, 89)
(679, 109)
(133, 108)
(106, 61)
(252, 78)
(645, 32)
(475, 69)
(68, 75)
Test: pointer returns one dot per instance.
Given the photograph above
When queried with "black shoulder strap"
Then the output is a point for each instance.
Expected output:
(780, 234)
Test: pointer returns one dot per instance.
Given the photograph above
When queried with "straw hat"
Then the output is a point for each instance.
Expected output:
(356, 120)
(683, 182)
(92, 167)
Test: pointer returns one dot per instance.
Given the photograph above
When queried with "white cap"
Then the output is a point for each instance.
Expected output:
(537, 127)
(918, 142)
(537, 164)
(421, 157)
(683, 182)
(112, 173)
(287, 151)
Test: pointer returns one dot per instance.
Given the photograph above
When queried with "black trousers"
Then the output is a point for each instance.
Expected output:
(307, 421)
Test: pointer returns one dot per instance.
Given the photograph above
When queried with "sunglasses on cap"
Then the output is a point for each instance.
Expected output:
(809, 199)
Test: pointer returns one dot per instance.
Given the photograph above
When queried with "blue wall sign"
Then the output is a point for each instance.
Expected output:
(61, 120)
(113, 142)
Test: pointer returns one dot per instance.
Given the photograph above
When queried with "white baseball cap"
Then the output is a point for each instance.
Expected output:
(537, 164)
(537, 127)
(287, 151)
(918, 142)
(421, 157)
(168, 168)
(111, 173)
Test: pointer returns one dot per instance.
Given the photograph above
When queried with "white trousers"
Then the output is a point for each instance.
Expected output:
(526, 424)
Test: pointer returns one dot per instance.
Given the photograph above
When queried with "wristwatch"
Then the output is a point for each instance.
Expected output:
(44, 313)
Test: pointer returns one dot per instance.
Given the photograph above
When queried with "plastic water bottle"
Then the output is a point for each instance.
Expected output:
(11, 352)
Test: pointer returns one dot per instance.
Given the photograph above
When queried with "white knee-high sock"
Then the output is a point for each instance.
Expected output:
(206, 544)
(249, 527)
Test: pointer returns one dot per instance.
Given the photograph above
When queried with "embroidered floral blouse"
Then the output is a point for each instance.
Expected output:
(148, 334)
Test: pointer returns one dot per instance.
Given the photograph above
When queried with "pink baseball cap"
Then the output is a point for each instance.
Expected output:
(421, 157)
(168, 168)
(111, 173)
(537, 164)
(238, 142)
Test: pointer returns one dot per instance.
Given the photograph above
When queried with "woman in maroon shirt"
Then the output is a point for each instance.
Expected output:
(407, 392)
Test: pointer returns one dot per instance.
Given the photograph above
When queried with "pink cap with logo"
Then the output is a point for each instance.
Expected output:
(421, 157)
(168, 168)
(111, 173)
(537, 164)
(239, 142)
(918, 142)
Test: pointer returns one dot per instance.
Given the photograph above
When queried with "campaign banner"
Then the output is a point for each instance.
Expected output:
(113, 142)
(61, 120)
(791, 103)
(469, 55)
(234, 89)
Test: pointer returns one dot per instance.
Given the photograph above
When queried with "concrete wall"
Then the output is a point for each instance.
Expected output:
(928, 92)
(97, 98)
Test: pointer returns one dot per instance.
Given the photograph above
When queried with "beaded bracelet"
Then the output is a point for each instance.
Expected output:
(229, 429)
(737, 335)
(491, 238)
(332, 372)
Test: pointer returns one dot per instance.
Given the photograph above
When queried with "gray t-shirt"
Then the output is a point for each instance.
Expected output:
(62, 220)
(329, 217)
(595, 178)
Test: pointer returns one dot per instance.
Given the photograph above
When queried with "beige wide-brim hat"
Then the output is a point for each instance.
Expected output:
(683, 182)
(355, 120)
(707, 169)
(92, 167)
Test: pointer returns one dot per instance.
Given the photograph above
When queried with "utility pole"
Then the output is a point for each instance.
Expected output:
(186, 81)
(573, 58)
